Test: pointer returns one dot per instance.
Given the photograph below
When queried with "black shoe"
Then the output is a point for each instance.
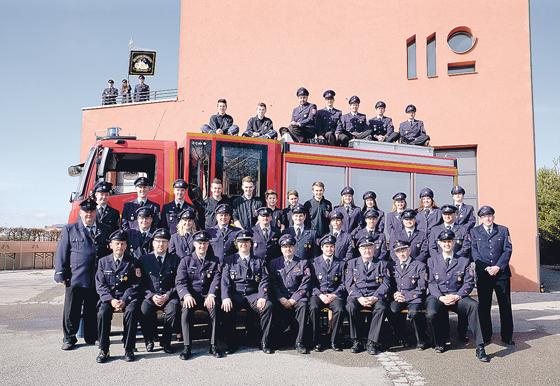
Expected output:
(231, 349)
(168, 349)
(102, 356)
(357, 347)
(149, 345)
(509, 342)
(421, 346)
(91, 342)
(440, 349)
(481, 354)
(403, 343)
(267, 350)
(68, 346)
(487, 341)
(301, 349)
(372, 348)
(336, 347)
(318, 347)
(129, 356)
(464, 339)
(186, 354)
(216, 353)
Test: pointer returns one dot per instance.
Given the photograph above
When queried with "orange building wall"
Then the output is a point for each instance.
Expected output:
(254, 51)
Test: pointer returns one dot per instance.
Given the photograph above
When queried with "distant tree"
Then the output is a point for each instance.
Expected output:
(548, 204)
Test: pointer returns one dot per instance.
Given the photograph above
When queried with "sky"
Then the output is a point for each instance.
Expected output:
(57, 56)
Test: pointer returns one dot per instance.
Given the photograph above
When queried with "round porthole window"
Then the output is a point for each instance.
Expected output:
(460, 41)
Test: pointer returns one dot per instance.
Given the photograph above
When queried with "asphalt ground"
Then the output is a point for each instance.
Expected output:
(30, 339)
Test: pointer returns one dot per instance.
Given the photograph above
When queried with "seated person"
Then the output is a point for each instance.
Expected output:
(260, 126)
(412, 130)
(221, 123)
(353, 125)
(327, 119)
(382, 126)
(302, 126)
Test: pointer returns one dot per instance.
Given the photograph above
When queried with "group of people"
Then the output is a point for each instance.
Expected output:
(328, 126)
(111, 93)
(283, 266)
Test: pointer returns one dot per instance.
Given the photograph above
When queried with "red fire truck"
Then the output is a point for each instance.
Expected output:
(383, 168)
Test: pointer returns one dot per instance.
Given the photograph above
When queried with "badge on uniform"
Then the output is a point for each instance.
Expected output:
(255, 245)
(124, 278)
(335, 278)
(413, 280)
(257, 278)
(232, 275)
(418, 245)
(320, 277)
(459, 276)
(209, 274)
(307, 245)
(436, 275)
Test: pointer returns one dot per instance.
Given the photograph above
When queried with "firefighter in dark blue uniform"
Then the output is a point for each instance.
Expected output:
(344, 245)
(245, 284)
(81, 245)
(371, 218)
(353, 125)
(491, 252)
(368, 284)
(419, 248)
(181, 242)
(412, 131)
(265, 236)
(140, 238)
(327, 119)
(450, 282)
(170, 211)
(370, 202)
(462, 238)
(306, 239)
(143, 186)
(352, 214)
(393, 220)
(465, 212)
(327, 290)
(291, 280)
(382, 126)
(410, 281)
(159, 269)
(118, 285)
(198, 285)
(105, 213)
(222, 236)
(429, 215)
(302, 126)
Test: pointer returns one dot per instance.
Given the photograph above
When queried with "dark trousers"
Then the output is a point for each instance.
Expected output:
(301, 134)
(366, 134)
(149, 319)
(298, 314)
(437, 314)
(233, 129)
(357, 321)
(420, 140)
(415, 314)
(249, 304)
(393, 137)
(188, 313)
(130, 321)
(337, 308)
(342, 140)
(79, 302)
(486, 285)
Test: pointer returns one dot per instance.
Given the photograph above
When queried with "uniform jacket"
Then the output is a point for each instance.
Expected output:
(196, 277)
(393, 222)
(261, 126)
(181, 245)
(279, 218)
(139, 245)
(223, 122)
(410, 131)
(380, 242)
(77, 254)
(350, 123)
(426, 223)
(465, 216)
(328, 280)
(383, 126)
(380, 225)
(412, 282)
(327, 121)
(457, 279)
(305, 115)
(293, 282)
(170, 215)
(210, 205)
(419, 244)
(240, 279)
(269, 248)
(120, 283)
(129, 213)
(462, 240)
(350, 221)
(223, 242)
(374, 282)
(109, 96)
(141, 92)
(318, 215)
(306, 246)
(110, 217)
(491, 250)
(159, 279)
(344, 246)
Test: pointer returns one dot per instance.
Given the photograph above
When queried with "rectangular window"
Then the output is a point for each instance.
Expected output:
(122, 169)
(199, 165)
(461, 68)
(431, 55)
(411, 57)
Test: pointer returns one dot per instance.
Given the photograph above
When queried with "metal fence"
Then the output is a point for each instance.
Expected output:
(139, 97)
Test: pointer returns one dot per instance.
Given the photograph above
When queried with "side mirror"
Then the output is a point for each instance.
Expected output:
(75, 170)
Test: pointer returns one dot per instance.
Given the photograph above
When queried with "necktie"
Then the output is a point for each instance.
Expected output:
(335, 234)
(141, 203)
(92, 232)
(298, 233)
(224, 231)
(328, 263)
(409, 234)
(427, 212)
(489, 231)
(160, 260)
(403, 266)
(100, 210)
(448, 227)
(370, 233)
(201, 259)
(458, 206)
(447, 260)
(348, 209)
(367, 266)
(118, 262)
(265, 233)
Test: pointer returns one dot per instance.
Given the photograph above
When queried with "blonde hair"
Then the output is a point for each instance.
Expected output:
(433, 206)
(182, 227)
(394, 207)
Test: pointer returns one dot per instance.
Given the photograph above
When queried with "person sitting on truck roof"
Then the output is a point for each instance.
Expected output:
(327, 120)
(382, 126)
(353, 125)
(143, 186)
(215, 199)
(105, 213)
(245, 206)
(302, 126)
(221, 123)
(412, 130)
(260, 126)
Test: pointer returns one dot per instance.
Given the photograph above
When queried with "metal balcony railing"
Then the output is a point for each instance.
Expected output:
(139, 97)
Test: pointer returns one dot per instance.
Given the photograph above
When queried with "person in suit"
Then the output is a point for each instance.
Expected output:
(220, 123)
(159, 270)
(306, 238)
(412, 131)
(370, 202)
(353, 125)
(118, 285)
(371, 219)
(419, 248)
(141, 90)
(450, 282)
(393, 221)
(181, 242)
(382, 126)
(317, 209)
(491, 252)
(462, 246)
(105, 213)
(142, 186)
(245, 284)
(215, 199)
(429, 215)
(279, 219)
(328, 291)
(410, 282)
(302, 126)
(352, 214)
(265, 236)
(81, 245)
(291, 279)
(327, 120)
(465, 212)
(222, 236)
(260, 126)
(344, 244)
(171, 210)
(140, 239)
(198, 284)
(368, 284)
(245, 206)
(293, 200)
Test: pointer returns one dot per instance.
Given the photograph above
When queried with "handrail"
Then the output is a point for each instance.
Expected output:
(132, 97)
